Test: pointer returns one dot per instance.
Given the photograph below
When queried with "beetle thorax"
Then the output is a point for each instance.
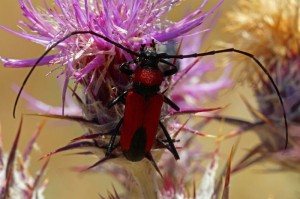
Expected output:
(148, 76)
(147, 81)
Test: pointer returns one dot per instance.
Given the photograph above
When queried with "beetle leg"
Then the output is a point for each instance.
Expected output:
(171, 103)
(169, 139)
(124, 68)
(165, 145)
(117, 99)
(171, 71)
(113, 138)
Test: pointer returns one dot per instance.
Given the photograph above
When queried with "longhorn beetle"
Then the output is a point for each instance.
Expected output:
(143, 101)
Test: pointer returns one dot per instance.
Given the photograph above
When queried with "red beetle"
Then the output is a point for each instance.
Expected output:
(143, 102)
(139, 126)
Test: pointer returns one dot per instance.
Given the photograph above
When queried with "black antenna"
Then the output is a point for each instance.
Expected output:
(166, 56)
(53, 46)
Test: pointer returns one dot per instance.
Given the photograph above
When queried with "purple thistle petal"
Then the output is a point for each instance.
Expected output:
(34, 38)
(16, 63)
(40, 25)
(95, 64)
(184, 26)
(80, 16)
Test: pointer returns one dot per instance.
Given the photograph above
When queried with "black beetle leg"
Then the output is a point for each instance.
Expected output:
(170, 141)
(113, 138)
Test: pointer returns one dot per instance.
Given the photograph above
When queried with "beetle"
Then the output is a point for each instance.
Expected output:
(143, 102)
(143, 105)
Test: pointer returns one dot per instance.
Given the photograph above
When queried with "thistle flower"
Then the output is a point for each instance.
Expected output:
(90, 61)
(271, 31)
(93, 64)
(17, 182)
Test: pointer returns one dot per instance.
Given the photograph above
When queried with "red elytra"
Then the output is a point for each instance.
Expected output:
(140, 124)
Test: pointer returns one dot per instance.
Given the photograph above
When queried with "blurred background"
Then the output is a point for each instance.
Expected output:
(64, 183)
